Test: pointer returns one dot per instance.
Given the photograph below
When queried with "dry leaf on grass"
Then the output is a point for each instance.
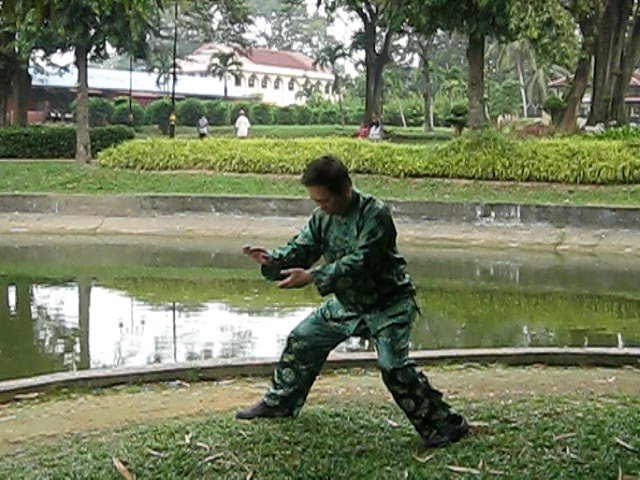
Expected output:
(425, 459)
(392, 423)
(564, 436)
(203, 446)
(122, 470)
(155, 453)
(457, 469)
(249, 476)
(624, 444)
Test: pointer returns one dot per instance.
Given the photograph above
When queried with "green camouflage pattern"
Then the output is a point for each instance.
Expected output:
(373, 298)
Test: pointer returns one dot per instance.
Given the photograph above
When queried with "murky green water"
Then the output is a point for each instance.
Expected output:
(92, 304)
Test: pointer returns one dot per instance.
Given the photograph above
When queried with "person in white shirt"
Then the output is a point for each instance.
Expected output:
(242, 125)
(203, 126)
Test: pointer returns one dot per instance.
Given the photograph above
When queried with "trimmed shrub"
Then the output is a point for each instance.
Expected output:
(554, 106)
(56, 142)
(100, 111)
(217, 112)
(189, 111)
(485, 155)
(121, 114)
(105, 137)
(328, 115)
(157, 113)
(304, 114)
(286, 116)
(262, 114)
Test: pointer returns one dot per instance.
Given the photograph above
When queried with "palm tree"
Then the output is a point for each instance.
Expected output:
(328, 57)
(222, 64)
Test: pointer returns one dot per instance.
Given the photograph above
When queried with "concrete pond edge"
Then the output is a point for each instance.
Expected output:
(208, 370)
(558, 216)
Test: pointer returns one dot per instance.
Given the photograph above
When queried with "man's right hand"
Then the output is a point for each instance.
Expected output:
(258, 254)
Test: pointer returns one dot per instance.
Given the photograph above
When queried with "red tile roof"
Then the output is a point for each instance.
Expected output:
(279, 58)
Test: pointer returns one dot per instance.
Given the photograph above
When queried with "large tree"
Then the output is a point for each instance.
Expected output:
(288, 25)
(477, 19)
(86, 26)
(617, 52)
(381, 20)
(24, 26)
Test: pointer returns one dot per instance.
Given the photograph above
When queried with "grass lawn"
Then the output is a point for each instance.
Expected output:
(296, 131)
(577, 436)
(60, 177)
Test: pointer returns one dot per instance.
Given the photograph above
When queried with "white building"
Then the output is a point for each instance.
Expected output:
(276, 77)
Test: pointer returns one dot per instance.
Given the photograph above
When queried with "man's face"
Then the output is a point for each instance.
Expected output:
(329, 202)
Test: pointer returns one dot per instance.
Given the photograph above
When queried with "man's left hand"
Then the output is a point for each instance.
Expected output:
(295, 278)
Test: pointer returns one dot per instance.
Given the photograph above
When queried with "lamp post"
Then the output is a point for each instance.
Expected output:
(130, 116)
(172, 117)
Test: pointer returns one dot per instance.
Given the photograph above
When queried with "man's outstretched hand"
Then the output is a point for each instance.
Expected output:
(295, 278)
(258, 254)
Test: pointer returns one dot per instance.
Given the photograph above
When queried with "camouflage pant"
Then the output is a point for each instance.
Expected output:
(311, 341)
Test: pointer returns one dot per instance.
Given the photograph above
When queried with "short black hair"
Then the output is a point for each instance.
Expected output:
(329, 172)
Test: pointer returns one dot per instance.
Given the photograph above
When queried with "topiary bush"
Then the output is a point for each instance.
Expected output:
(121, 114)
(304, 114)
(262, 114)
(157, 113)
(286, 116)
(189, 111)
(554, 106)
(485, 155)
(217, 112)
(100, 111)
(56, 142)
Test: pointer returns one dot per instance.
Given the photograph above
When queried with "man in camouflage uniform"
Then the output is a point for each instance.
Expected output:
(373, 297)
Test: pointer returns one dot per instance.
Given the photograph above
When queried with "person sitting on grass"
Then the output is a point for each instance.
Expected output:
(373, 297)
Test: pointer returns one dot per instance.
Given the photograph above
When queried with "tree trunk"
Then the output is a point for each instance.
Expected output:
(3, 107)
(373, 102)
(630, 58)
(83, 142)
(341, 107)
(523, 87)
(568, 123)
(427, 93)
(475, 57)
(608, 57)
(573, 99)
(21, 95)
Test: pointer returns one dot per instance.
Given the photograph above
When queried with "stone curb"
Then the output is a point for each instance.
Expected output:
(558, 216)
(220, 368)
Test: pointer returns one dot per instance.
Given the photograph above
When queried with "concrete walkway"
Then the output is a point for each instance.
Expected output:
(539, 227)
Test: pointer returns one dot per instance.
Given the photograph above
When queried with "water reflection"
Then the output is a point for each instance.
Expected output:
(69, 307)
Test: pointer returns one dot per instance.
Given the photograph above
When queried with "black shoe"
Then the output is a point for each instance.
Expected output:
(263, 410)
(455, 428)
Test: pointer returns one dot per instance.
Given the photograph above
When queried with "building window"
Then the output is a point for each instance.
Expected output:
(265, 82)
(252, 81)
(318, 87)
(276, 84)
(327, 88)
(238, 81)
(292, 85)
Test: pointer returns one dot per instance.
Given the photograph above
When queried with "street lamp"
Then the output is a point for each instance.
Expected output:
(172, 117)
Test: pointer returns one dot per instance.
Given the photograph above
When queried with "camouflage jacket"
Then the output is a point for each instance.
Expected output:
(363, 267)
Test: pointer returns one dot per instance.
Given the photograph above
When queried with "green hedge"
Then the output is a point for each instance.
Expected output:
(56, 142)
(486, 155)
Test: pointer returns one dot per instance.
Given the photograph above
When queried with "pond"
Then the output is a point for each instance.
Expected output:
(79, 303)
